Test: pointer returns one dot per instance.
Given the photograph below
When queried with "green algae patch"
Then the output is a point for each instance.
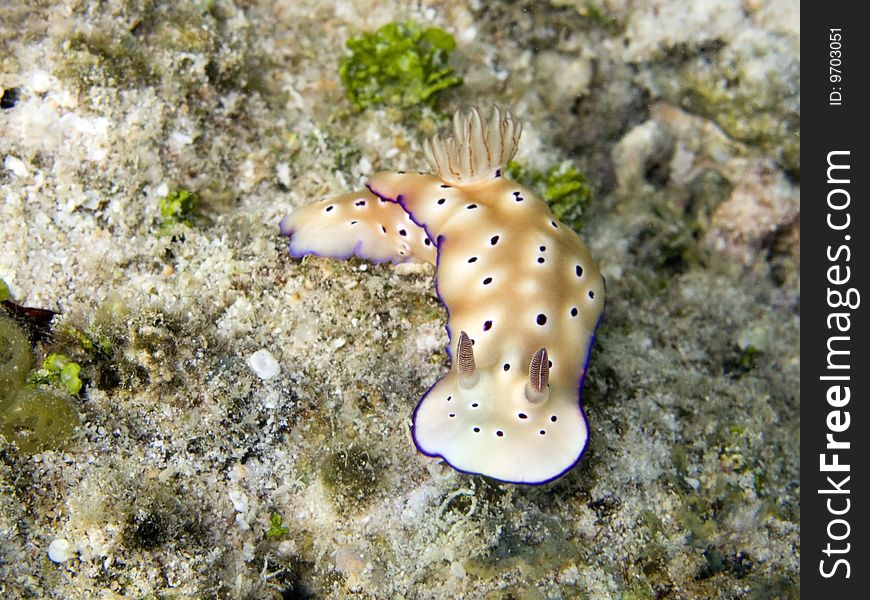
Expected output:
(101, 345)
(277, 530)
(60, 371)
(14, 358)
(38, 419)
(34, 419)
(563, 187)
(178, 208)
(400, 64)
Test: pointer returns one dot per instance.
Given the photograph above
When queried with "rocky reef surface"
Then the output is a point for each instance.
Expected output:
(190, 475)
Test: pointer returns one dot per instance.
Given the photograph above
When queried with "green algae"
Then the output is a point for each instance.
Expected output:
(60, 371)
(178, 208)
(400, 64)
(38, 419)
(14, 359)
(277, 529)
(563, 187)
(34, 418)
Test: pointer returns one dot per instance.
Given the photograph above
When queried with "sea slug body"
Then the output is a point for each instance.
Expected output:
(522, 292)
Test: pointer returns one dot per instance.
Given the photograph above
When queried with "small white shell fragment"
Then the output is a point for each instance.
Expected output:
(60, 550)
(458, 570)
(264, 364)
(282, 171)
(40, 81)
(239, 500)
(16, 165)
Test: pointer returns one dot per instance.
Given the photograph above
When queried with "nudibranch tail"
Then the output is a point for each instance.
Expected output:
(357, 224)
(475, 150)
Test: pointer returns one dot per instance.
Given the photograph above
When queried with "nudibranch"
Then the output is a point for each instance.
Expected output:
(522, 293)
